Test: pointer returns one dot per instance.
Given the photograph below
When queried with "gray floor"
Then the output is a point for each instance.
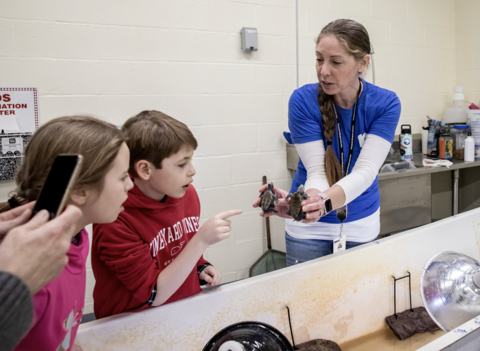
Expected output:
(88, 318)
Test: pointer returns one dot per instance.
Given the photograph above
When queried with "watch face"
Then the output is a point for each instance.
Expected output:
(328, 206)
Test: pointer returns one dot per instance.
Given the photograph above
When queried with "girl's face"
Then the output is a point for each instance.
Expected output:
(337, 70)
(104, 207)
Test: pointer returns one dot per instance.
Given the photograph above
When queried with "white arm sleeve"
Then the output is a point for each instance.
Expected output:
(371, 158)
(374, 152)
(312, 155)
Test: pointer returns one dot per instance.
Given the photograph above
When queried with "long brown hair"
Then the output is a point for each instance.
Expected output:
(354, 37)
(96, 140)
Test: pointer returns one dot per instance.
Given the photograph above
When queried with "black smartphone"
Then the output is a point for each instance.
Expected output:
(60, 179)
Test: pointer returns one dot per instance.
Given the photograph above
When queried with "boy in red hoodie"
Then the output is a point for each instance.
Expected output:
(153, 253)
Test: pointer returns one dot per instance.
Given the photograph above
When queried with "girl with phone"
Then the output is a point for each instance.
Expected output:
(99, 190)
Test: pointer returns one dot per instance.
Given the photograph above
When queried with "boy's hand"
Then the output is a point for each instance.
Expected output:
(217, 228)
(211, 275)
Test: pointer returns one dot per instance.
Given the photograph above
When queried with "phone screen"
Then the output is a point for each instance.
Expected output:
(56, 184)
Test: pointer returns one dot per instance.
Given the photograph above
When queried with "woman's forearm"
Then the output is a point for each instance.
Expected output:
(336, 195)
(312, 191)
(365, 171)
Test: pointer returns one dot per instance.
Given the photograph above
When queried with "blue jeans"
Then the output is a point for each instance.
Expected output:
(303, 250)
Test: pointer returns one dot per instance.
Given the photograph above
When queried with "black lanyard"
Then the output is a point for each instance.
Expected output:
(352, 134)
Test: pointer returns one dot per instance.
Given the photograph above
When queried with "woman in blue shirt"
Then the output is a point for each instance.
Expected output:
(342, 128)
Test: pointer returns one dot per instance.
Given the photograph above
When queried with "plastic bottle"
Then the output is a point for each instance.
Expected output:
(469, 148)
(473, 120)
(441, 147)
(424, 140)
(448, 147)
(457, 113)
(406, 142)
(459, 133)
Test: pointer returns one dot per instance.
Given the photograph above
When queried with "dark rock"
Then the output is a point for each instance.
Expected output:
(319, 345)
(410, 322)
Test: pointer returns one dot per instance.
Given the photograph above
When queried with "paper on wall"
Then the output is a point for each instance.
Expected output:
(8, 124)
(11, 147)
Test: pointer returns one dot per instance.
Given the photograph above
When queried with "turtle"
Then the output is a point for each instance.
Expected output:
(268, 199)
(296, 200)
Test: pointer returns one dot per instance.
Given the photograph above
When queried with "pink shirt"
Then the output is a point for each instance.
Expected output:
(59, 305)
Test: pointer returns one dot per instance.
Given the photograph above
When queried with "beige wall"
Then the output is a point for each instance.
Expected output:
(414, 44)
(113, 59)
(468, 47)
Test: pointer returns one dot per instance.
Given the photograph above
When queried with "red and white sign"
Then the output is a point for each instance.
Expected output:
(18, 109)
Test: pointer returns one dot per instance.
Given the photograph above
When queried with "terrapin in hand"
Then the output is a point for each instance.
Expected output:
(268, 200)
(296, 200)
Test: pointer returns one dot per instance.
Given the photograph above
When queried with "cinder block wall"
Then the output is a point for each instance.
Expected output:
(183, 57)
(414, 44)
(468, 48)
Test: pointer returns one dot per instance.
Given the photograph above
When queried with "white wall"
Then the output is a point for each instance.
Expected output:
(114, 59)
(414, 44)
(468, 48)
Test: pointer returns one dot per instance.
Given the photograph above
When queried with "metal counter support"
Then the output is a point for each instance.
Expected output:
(456, 176)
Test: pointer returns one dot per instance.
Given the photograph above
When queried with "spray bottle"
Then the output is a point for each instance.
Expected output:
(406, 142)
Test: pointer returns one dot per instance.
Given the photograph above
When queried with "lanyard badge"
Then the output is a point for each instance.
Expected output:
(340, 243)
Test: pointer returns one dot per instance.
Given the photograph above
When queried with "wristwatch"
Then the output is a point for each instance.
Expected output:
(327, 202)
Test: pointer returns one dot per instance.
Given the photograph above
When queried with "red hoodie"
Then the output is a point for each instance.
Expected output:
(129, 254)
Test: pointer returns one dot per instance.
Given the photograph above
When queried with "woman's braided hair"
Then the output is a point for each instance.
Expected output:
(356, 41)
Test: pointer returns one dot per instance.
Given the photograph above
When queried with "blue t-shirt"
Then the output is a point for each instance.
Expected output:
(378, 113)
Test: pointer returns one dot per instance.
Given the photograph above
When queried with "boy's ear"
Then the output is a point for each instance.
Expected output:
(143, 169)
(79, 196)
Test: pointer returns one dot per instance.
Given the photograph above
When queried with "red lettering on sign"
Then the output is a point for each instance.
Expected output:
(5, 97)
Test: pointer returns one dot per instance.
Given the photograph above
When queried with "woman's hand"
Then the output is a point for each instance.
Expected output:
(36, 251)
(282, 206)
(314, 208)
(15, 217)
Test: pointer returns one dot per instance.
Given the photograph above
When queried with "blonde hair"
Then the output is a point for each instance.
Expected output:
(354, 37)
(97, 141)
(154, 136)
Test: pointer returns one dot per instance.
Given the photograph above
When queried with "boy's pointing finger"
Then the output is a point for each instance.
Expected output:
(226, 214)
